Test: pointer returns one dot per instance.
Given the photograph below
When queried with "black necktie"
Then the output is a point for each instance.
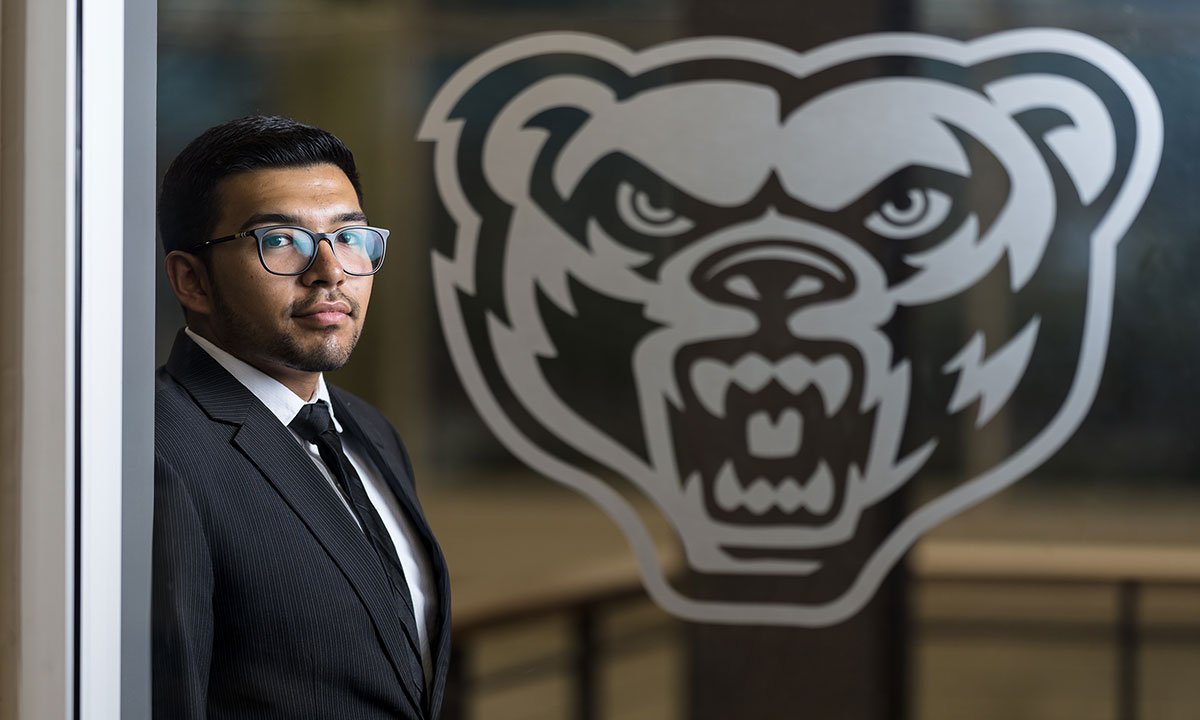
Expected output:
(314, 424)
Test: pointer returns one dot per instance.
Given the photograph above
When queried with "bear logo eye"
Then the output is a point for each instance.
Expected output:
(918, 212)
(638, 211)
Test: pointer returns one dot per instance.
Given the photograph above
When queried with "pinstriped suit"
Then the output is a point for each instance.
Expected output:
(268, 601)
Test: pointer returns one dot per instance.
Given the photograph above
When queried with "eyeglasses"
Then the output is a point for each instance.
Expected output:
(290, 250)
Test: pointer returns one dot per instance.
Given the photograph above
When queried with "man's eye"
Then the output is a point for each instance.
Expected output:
(639, 212)
(918, 212)
(276, 240)
(351, 237)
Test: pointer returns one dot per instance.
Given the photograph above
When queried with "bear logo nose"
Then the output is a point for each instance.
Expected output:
(776, 275)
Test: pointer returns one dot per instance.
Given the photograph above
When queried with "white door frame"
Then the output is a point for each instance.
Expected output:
(87, 327)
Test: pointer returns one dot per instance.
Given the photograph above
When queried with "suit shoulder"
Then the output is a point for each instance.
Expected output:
(363, 410)
(166, 387)
(171, 400)
(373, 422)
(180, 424)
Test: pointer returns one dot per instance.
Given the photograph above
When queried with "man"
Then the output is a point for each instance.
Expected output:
(294, 573)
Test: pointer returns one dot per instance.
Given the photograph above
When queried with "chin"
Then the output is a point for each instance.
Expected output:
(328, 354)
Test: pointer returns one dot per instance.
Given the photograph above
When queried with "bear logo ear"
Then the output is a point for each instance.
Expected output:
(1084, 143)
(547, 112)
(492, 121)
(1095, 121)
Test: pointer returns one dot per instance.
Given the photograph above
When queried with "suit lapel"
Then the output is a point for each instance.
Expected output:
(387, 464)
(284, 464)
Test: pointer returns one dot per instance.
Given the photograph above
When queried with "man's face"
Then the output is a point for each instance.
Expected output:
(284, 324)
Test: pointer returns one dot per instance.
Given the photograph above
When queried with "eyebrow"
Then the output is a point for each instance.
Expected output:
(285, 219)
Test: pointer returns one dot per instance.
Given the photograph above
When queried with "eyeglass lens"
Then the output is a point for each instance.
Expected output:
(288, 250)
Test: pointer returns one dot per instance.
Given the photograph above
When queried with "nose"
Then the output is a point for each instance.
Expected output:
(326, 269)
(773, 277)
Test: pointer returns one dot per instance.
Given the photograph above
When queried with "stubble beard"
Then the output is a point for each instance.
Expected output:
(329, 355)
(281, 347)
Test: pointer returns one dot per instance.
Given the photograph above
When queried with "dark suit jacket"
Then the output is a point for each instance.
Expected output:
(268, 600)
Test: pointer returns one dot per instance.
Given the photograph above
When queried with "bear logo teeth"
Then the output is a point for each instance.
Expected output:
(778, 439)
(761, 496)
(712, 379)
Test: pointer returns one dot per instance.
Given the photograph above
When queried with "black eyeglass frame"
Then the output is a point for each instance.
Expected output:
(259, 233)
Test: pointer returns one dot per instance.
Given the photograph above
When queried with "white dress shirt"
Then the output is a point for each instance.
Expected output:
(284, 405)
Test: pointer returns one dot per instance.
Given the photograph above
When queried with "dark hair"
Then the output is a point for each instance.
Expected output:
(187, 212)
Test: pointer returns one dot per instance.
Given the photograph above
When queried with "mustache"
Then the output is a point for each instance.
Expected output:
(306, 305)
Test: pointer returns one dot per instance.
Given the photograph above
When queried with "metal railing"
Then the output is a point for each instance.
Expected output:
(1129, 571)
(583, 610)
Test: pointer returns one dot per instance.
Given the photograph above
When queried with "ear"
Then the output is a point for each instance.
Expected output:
(190, 282)
(1084, 142)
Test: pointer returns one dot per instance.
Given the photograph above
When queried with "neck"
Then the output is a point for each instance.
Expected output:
(300, 382)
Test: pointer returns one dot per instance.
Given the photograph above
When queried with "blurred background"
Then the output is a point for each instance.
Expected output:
(1073, 594)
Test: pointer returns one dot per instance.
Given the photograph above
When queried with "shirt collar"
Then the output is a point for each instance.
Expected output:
(282, 402)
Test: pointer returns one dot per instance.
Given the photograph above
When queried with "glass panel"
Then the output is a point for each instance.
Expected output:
(793, 367)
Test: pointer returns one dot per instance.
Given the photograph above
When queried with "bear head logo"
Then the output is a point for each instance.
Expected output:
(769, 288)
